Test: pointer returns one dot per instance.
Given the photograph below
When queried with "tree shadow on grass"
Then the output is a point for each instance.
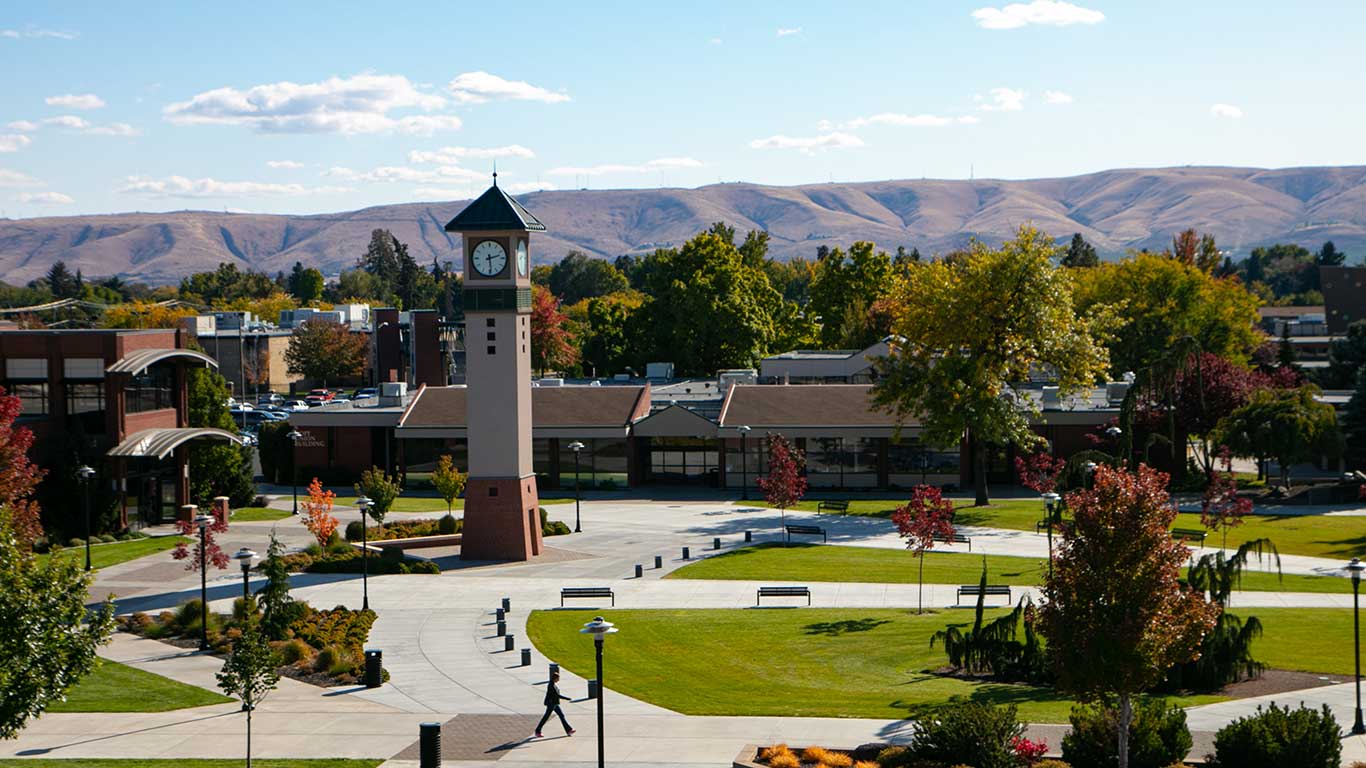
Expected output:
(838, 628)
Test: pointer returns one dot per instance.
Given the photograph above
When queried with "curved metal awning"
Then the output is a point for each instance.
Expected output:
(159, 443)
(137, 362)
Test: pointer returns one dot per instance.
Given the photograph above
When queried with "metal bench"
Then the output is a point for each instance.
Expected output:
(587, 593)
(807, 530)
(833, 506)
(1190, 533)
(1042, 525)
(956, 538)
(991, 590)
(782, 592)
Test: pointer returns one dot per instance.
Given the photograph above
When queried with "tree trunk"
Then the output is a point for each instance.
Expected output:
(249, 708)
(979, 471)
(1126, 716)
(920, 596)
(782, 511)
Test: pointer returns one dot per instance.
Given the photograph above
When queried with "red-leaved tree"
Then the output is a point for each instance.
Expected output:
(552, 335)
(1221, 508)
(926, 517)
(1040, 472)
(18, 476)
(317, 516)
(1117, 616)
(784, 485)
(189, 551)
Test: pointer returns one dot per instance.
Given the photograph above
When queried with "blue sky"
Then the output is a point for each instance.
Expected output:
(310, 107)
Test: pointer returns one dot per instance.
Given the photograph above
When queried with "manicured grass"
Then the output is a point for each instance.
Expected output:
(1337, 536)
(408, 503)
(259, 514)
(105, 555)
(816, 562)
(1304, 639)
(801, 662)
(115, 687)
(137, 762)
(182, 763)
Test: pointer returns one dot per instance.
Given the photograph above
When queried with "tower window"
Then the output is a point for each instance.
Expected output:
(492, 336)
(493, 490)
(489, 322)
(493, 350)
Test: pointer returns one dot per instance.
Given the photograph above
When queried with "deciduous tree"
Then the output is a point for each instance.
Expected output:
(925, 519)
(971, 329)
(1117, 616)
(1290, 425)
(843, 288)
(1221, 508)
(381, 489)
(579, 276)
(187, 550)
(250, 671)
(326, 351)
(216, 469)
(784, 485)
(19, 476)
(317, 516)
(552, 334)
(449, 481)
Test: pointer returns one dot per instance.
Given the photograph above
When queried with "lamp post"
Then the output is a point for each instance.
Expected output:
(743, 429)
(245, 557)
(1355, 568)
(294, 437)
(85, 473)
(599, 629)
(1090, 472)
(1051, 502)
(203, 522)
(576, 446)
(364, 503)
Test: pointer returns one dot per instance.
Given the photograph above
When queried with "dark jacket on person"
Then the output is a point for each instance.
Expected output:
(552, 695)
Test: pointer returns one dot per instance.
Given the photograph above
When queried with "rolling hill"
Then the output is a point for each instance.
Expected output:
(1116, 210)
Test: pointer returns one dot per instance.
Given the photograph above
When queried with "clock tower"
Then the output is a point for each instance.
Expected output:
(502, 521)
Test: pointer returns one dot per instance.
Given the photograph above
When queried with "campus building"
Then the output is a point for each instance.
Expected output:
(115, 400)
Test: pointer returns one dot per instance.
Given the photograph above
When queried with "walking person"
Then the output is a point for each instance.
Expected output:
(552, 705)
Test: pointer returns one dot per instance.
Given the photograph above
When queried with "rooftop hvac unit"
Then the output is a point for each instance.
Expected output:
(659, 370)
(551, 382)
(1051, 401)
(392, 392)
(1116, 391)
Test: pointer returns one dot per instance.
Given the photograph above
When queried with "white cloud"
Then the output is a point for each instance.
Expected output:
(75, 101)
(1057, 97)
(289, 164)
(13, 142)
(1226, 110)
(24, 126)
(1051, 13)
(902, 121)
(453, 155)
(179, 186)
(660, 164)
(10, 178)
(44, 198)
(715, 41)
(359, 104)
(68, 121)
(529, 186)
(113, 129)
(479, 87)
(36, 33)
(808, 144)
(789, 31)
(389, 174)
(1002, 100)
(74, 123)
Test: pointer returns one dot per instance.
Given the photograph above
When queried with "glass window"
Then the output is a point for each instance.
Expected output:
(610, 461)
(84, 398)
(823, 455)
(150, 391)
(32, 397)
(861, 456)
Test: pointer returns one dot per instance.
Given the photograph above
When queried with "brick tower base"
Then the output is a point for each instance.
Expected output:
(502, 520)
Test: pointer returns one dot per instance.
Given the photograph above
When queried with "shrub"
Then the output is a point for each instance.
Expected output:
(327, 659)
(977, 734)
(555, 528)
(787, 760)
(106, 538)
(296, 651)
(814, 754)
(837, 760)
(1278, 737)
(1158, 736)
(76, 543)
(446, 525)
(1051, 764)
(354, 531)
(770, 752)
(865, 764)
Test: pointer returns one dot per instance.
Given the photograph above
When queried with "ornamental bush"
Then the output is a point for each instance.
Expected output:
(979, 735)
(1279, 737)
(1158, 736)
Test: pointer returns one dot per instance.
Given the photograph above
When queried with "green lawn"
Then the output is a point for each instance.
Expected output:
(408, 503)
(816, 562)
(259, 514)
(137, 762)
(769, 663)
(1315, 535)
(182, 763)
(105, 555)
(1304, 639)
(115, 687)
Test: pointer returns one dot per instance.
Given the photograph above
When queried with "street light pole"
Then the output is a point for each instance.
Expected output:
(1050, 504)
(743, 429)
(294, 436)
(576, 446)
(599, 629)
(1355, 568)
(203, 522)
(85, 473)
(364, 504)
(245, 557)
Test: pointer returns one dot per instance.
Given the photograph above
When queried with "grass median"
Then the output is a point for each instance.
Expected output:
(105, 555)
(115, 687)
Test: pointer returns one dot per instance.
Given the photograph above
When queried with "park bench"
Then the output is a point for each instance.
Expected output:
(1042, 525)
(1190, 533)
(572, 593)
(807, 530)
(990, 590)
(833, 506)
(956, 538)
(782, 592)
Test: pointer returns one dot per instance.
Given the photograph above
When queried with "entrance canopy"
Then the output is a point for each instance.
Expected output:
(159, 443)
(137, 362)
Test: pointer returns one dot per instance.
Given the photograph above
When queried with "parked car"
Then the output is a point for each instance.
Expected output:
(337, 400)
(274, 415)
(365, 393)
(240, 408)
(248, 438)
(270, 398)
(319, 396)
(295, 405)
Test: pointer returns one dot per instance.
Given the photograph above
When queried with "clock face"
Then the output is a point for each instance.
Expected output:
(521, 258)
(489, 258)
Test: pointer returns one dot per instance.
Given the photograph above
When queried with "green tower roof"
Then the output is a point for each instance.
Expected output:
(494, 210)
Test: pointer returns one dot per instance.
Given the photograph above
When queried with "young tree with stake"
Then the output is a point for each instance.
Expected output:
(926, 517)
(249, 672)
(784, 485)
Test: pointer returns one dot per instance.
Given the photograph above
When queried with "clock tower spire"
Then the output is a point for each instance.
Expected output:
(502, 518)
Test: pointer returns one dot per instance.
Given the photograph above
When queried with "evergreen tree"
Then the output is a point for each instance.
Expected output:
(1080, 253)
(62, 283)
(1330, 256)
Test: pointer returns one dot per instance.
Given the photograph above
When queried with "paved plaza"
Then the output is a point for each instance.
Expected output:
(447, 665)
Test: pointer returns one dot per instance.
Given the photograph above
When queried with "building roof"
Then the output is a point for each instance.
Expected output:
(763, 406)
(159, 443)
(136, 362)
(1268, 312)
(494, 210)
(551, 407)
